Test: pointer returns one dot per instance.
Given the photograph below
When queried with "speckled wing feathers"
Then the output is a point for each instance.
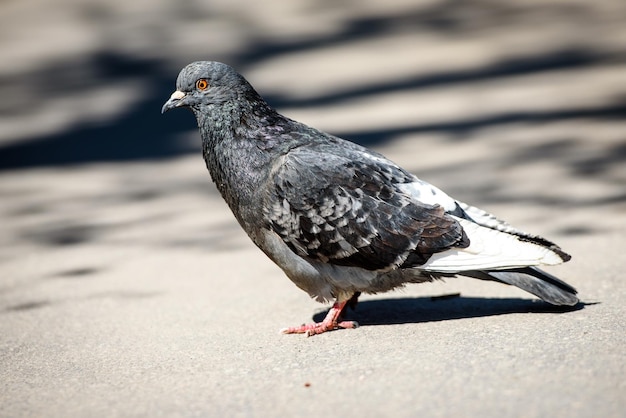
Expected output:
(346, 210)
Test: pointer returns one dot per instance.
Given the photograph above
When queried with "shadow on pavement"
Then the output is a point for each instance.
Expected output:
(425, 309)
(136, 134)
(140, 133)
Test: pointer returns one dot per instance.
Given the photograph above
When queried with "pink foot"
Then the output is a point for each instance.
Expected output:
(329, 323)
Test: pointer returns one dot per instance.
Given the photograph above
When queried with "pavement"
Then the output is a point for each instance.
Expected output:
(128, 289)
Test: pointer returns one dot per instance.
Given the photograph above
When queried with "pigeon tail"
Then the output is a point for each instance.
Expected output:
(533, 280)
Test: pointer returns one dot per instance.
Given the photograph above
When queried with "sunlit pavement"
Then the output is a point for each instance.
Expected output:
(128, 289)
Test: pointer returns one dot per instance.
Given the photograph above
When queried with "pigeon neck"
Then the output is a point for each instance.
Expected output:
(237, 117)
(235, 149)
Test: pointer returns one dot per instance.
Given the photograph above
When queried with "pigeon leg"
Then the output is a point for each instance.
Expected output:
(329, 323)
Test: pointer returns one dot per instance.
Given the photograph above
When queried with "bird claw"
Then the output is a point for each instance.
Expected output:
(330, 323)
(319, 327)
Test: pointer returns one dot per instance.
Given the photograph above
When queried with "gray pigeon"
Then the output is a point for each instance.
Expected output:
(340, 219)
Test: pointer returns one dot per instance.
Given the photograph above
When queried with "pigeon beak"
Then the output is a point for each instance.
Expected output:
(174, 101)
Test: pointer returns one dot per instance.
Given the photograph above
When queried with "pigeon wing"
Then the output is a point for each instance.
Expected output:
(348, 210)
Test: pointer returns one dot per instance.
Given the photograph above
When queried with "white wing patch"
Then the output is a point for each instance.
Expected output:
(490, 249)
(427, 193)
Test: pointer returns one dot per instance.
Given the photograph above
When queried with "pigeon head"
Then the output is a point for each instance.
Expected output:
(203, 85)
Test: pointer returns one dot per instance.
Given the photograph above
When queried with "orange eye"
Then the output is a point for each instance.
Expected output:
(202, 84)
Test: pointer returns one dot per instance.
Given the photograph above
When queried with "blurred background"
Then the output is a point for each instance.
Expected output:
(82, 79)
(517, 102)
(515, 106)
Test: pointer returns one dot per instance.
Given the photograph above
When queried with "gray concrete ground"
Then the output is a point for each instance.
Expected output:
(127, 289)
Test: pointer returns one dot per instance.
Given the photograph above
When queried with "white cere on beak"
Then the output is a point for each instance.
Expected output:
(177, 95)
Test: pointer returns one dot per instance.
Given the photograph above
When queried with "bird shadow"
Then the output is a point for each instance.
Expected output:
(431, 309)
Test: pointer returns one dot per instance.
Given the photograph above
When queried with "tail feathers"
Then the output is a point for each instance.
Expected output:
(490, 221)
(533, 280)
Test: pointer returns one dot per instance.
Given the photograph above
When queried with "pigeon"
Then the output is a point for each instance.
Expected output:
(340, 219)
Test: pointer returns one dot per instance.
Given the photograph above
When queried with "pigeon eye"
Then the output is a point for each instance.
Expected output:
(202, 84)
